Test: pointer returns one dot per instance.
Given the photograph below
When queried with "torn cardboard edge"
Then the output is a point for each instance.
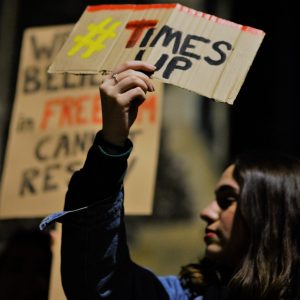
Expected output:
(191, 49)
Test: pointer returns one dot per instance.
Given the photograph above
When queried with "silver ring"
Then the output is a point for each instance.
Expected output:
(115, 77)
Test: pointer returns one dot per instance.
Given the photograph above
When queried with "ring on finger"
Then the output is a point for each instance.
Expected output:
(115, 77)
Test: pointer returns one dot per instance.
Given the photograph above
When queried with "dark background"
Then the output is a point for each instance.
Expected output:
(264, 115)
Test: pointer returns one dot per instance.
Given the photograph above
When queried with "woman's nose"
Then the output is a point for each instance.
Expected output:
(211, 212)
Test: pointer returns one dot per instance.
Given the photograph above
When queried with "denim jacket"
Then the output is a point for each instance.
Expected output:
(95, 260)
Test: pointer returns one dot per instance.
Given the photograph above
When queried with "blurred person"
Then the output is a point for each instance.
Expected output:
(252, 245)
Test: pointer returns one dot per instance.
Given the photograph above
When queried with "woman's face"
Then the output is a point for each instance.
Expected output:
(223, 236)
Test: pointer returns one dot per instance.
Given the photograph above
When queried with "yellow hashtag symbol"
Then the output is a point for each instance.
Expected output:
(94, 40)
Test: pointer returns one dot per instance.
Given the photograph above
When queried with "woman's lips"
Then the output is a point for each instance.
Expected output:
(210, 236)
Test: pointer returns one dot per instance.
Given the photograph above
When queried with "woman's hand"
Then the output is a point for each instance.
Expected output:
(121, 95)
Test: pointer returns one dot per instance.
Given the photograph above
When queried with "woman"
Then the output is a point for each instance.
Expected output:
(252, 237)
(252, 247)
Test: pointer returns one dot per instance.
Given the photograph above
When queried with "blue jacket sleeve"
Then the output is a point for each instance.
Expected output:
(95, 261)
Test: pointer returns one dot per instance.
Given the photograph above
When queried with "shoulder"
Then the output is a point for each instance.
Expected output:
(175, 290)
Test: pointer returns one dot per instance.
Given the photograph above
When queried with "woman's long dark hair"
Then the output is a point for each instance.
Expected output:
(269, 208)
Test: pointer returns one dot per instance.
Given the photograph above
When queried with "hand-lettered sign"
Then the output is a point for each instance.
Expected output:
(55, 118)
(191, 49)
(56, 291)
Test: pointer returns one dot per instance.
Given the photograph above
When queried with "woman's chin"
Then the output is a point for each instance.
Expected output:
(214, 252)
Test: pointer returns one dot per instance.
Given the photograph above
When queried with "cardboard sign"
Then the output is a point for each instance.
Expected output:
(55, 119)
(191, 49)
(56, 291)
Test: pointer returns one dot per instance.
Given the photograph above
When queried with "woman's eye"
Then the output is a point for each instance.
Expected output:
(225, 196)
(225, 202)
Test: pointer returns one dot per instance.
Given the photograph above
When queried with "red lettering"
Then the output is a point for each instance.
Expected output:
(48, 112)
(79, 118)
(149, 106)
(66, 116)
(71, 111)
(86, 109)
(96, 111)
(138, 27)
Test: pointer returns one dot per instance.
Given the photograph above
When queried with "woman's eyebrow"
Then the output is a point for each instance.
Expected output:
(226, 189)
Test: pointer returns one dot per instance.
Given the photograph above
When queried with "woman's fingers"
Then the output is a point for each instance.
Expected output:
(122, 93)
(132, 76)
(137, 94)
(135, 65)
(131, 82)
(119, 83)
